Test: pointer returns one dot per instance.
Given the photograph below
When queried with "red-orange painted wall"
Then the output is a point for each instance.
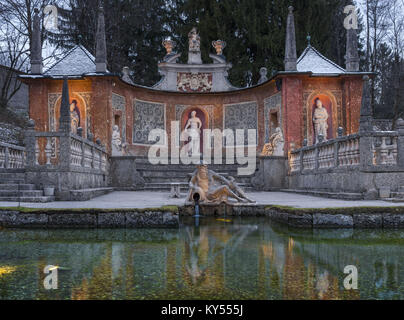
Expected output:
(296, 90)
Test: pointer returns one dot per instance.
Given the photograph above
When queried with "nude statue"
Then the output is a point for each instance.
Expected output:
(193, 129)
(214, 188)
(320, 120)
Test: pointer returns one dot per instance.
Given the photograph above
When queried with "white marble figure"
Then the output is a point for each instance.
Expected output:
(118, 148)
(193, 129)
(320, 120)
(194, 41)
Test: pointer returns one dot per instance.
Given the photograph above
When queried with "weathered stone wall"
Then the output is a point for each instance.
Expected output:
(272, 174)
(148, 218)
(123, 174)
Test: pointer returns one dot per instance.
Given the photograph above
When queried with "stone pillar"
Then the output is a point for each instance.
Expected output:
(65, 127)
(352, 56)
(101, 50)
(30, 142)
(366, 127)
(36, 52)
(290, 48)
(400, 143)
(366, 116)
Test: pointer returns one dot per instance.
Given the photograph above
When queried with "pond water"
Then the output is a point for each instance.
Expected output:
(205, 259)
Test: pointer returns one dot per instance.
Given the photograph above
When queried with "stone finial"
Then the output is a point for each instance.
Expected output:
(352, 55)
(219, 46)
(366, 123)
(80, 131)
(65, 121)
(305, 143)
(101, 50)
(36, 50)
(126, 76)
(263, 75)
(320, 138)
(308, 40)
(340, 132)
(31, 124)
(400, 125)
(290, 48)
(169, 45)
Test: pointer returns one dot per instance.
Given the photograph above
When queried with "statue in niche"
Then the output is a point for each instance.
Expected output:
(275, 146)
(194, 40)
(118, 148)
(74, 116)
(320, 120)
(193, 130)
(214, 188)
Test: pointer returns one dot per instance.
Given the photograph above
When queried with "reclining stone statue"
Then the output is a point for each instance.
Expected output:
(213, 188)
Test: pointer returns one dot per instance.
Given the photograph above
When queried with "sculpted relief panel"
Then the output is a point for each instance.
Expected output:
(241, 116)
(197, 82)
(147, 116)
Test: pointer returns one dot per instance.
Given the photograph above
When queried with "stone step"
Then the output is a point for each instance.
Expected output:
(88, 194)
(327, 194)
(16, 187)
(28, 199)
(28, 194)
(184, 187)
(397, 195)
(12, 181)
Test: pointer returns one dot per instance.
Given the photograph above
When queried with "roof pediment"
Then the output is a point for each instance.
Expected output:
(313, 61)
(76, 62)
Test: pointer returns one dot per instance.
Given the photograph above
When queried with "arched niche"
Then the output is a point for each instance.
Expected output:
(330, 104)
(201, 113)
(76, 102)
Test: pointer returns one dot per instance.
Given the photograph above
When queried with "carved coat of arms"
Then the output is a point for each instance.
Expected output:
(197, 82)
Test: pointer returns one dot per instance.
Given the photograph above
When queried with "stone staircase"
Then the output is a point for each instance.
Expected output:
(14, 189)
(160, 177)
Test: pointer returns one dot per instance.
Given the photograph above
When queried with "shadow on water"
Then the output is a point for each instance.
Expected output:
(207, 258)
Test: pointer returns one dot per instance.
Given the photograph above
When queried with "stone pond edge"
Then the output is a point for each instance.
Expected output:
(169, 217)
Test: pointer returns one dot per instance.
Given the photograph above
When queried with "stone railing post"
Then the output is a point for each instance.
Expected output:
(301, 160)
(65, 150)
(336, 150)
(366, 150)
(317, 165)
(7, 158)
(30, 144)
(400, 143)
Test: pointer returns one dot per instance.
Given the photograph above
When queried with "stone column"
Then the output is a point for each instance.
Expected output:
(352, 56)
(36, 52)
(366, 127)
(290, 48)
(101, 50)
(30, 142)
(65, 127)
(400, 143)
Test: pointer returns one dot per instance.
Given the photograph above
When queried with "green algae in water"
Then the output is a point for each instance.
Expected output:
(237, 259)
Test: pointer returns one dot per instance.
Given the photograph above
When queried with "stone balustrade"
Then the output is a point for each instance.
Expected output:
(346, 152)
(11, 156)
(385, 148)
